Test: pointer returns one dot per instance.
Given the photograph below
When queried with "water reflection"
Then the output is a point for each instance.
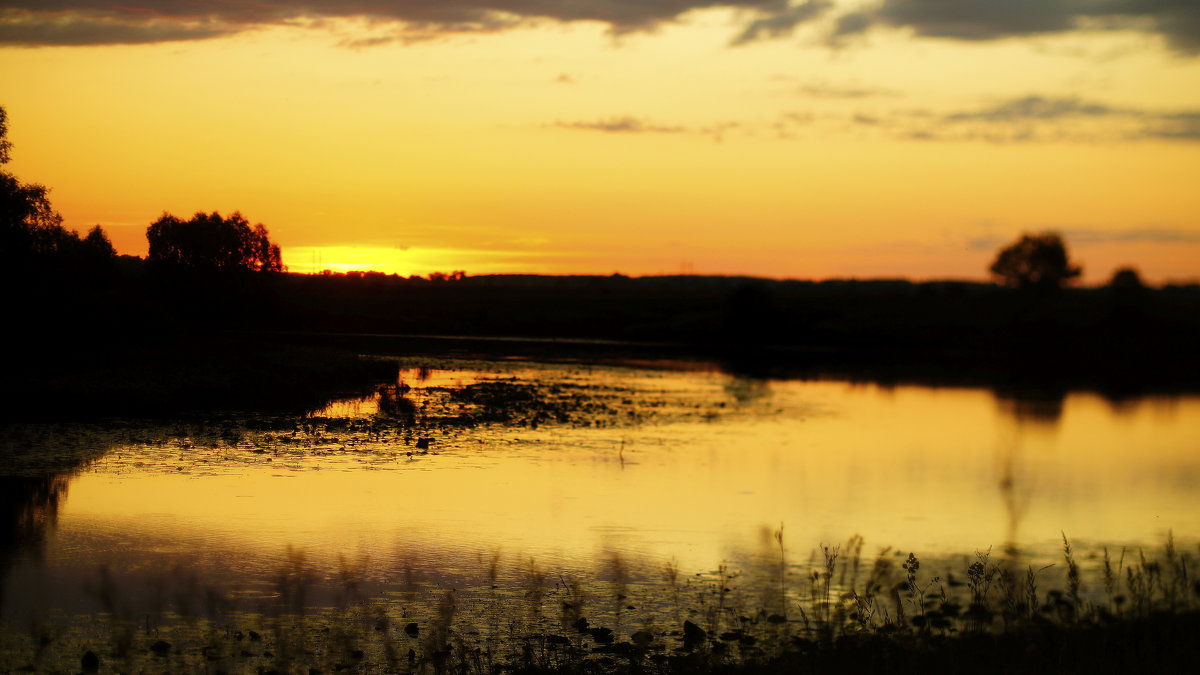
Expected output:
(37, 464)
(615, 471)
(28, 511)
(744, 390)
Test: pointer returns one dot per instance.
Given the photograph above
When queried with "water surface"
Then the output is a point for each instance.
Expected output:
(573, 466)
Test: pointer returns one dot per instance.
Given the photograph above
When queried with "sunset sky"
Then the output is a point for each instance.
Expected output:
(816, 139)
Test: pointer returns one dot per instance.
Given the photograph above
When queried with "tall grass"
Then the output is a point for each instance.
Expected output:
(515, 615)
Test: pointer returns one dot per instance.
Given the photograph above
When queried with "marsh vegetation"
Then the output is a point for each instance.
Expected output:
(835, 607)
(477, 516)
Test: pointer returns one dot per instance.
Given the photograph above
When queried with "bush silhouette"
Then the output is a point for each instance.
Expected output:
(1126, 277)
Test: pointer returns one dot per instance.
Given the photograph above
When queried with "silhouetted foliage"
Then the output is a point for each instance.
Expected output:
(31, 231)
(209, 242)
(5, 145)
(1126, 277)
(1035, 261)
(29, 223)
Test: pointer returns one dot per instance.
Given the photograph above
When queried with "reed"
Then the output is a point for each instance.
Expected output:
(895, 614)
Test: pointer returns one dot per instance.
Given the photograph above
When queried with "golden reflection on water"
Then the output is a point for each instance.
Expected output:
(940, 471)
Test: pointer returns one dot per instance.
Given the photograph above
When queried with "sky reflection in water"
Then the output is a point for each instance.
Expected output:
(690, 465)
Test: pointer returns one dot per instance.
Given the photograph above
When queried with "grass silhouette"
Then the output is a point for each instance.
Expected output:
(892, 613)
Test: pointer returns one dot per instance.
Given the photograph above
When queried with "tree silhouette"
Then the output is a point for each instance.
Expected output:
(1126, 277)
(1035, 261)
(31, 231)
(5, 145)
(209, 242)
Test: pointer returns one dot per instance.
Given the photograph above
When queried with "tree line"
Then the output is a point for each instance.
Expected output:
(32, 239)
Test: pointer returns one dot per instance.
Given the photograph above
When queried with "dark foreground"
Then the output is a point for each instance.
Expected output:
(140, 343)
(846, 616)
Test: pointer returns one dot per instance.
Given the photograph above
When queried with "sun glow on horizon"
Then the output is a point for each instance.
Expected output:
(403, 261)
(556, 148)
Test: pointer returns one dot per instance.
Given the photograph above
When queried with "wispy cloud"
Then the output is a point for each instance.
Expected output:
(832, 91)
(622, 125)
(1035, 108)
(1024, 119)
(1086, 236)
(1158, 235)
(1036, 118)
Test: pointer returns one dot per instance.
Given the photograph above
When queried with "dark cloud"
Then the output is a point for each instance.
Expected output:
(1181, 27)
(34, 22)
(622, 125)
(978, 19)
(29, 29)
(781, 21)
(848, 26)
(1178, 21)
(106, 21)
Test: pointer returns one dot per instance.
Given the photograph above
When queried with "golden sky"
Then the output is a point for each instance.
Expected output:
(897, 138)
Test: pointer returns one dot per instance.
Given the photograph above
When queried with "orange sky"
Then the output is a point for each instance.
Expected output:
(810, 140)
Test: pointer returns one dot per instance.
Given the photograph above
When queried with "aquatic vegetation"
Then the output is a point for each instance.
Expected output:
(424, 461)
(518, 616)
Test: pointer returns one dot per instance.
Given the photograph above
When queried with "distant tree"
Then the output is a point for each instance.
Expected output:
(1126, 277)
(26, 217)
(1035, 261)
(456, 275)
(97, 241)
(209, 242)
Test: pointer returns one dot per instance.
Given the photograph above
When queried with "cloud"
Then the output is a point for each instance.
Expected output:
(1023, 119)
(978, 19)
(718, 130)
(781, 21)
(1035, 108)
(56, 22)
(1087, 236)
(1084, 236)
(822, 90)
(848, 26)
(1179, 126)
(94, 22)
(1178, 21)
(20, 28)
(1040, 118)
(621, 125)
